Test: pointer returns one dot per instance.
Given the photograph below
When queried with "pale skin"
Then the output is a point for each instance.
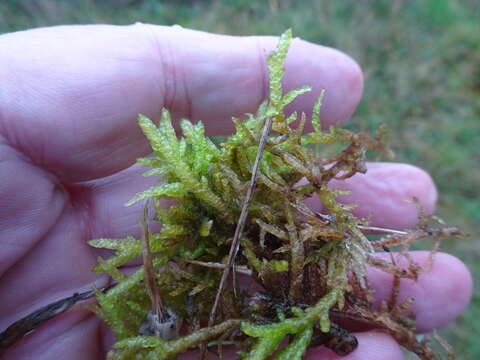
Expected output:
(69, 98)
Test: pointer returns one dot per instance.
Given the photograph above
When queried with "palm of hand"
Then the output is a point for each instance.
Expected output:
(68, 139)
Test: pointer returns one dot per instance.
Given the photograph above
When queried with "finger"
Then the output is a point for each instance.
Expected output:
(440, 294)
(70, 95)
(385, 192)
(372, 345)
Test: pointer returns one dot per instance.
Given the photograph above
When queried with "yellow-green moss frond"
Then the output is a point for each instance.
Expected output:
(276, 70)
(168, 191)
(316, 123)
(297, 348)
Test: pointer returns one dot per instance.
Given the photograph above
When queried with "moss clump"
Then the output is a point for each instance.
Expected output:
(311, 267)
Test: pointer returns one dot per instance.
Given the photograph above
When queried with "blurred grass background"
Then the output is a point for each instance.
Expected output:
(422, 77)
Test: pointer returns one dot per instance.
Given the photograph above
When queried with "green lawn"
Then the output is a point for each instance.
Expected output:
(422, 66)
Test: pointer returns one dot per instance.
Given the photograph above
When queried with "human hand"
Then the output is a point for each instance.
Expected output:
(69, 98)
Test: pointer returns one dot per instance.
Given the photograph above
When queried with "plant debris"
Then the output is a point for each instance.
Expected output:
(29, 323)
(306, 269)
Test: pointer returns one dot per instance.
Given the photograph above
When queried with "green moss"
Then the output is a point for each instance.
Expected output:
(301, 259)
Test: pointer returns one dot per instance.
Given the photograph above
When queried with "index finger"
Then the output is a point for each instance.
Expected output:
(70, 95)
